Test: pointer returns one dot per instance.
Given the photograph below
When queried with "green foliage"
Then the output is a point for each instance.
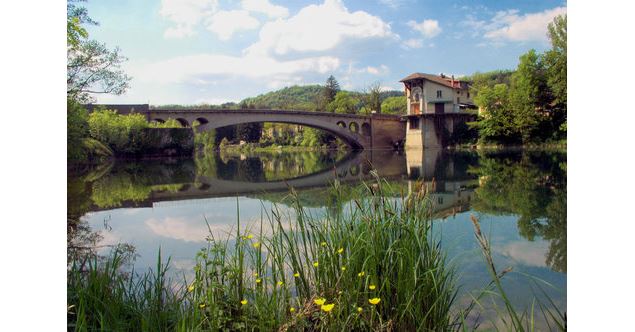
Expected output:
(372, 98)
(394, 105)
(122, 133)
(489, 79)
(169, 123)
(330, 90)
(497, 122)
(289, 98)
(343, 103)
(556, 60)
(528, 94)
(76, 131)
(91, 67)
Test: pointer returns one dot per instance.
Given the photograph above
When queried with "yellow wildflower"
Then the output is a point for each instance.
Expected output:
(327, 307)
(250, 236)
(243, 302)
(280, 283)
(323, 244)
(343, 268)
(361, 274)
(202, 305)
(371, 287)
(374, 300)
(359, 309)
(257, 245)
(292, 309)
(315, 264)
(190, 288)
(258, 280)
(296, 274)
(255, 274)
(340, 250)
(319, 301)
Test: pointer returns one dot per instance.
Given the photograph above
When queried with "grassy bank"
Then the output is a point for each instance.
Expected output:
(373, 266)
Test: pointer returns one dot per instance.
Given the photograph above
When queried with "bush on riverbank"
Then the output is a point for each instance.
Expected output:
(132, 135)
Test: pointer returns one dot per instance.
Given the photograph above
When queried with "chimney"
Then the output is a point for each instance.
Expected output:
(452, 80)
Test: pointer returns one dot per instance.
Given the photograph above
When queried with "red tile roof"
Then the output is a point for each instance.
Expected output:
(447, 81)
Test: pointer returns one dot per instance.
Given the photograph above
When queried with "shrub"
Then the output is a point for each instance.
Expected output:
(122, 133)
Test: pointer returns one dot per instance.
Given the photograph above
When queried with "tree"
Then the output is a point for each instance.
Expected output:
(496, 122)
(372, 98)
(394, 105)
(556, 59)
(556, 63)
(529, 94)
(343, 103)
(331, 88)
(91, 67)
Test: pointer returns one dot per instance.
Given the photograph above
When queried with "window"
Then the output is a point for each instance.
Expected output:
(439, 94)
(414, 123)
(458, 100)
(440, 200)
(468, 94)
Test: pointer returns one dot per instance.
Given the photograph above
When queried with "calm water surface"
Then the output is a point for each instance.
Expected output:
(520, 198)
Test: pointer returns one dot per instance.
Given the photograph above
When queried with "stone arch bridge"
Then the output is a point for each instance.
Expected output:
(375, 131)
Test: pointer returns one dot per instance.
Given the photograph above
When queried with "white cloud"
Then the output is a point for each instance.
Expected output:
(182, 229)
(509, 26)
(226, 22)
(427, 28)
(190, 68)
(413, 43)
(265, 7)
(185, 14)
(383, 69)
(318, 28)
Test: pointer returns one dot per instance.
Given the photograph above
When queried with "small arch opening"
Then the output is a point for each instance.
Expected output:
(354, 127)
(183, 122)
(341, 124)
(158, 120)
(202, 121)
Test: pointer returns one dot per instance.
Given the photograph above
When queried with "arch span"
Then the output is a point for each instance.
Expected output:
(358, 131)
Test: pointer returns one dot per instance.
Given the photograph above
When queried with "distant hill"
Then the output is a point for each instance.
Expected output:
(290, 98)
(294, 97)
(299, 98)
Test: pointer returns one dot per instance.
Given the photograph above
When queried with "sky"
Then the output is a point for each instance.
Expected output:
(216, 51)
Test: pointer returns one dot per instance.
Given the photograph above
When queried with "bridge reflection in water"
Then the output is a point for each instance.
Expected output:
(182, 182)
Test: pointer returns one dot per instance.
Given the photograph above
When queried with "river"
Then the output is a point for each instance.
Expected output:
(520, 197)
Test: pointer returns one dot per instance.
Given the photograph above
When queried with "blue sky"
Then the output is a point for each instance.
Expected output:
(214, 51)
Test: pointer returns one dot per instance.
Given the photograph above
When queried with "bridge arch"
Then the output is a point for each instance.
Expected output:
(183, 122)
(327, 122)
(353, 126)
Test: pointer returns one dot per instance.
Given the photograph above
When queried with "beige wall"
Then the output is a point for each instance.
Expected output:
(428, 97)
